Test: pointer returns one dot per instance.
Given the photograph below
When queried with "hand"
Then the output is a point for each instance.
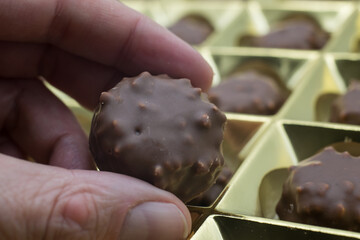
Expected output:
(83, 48)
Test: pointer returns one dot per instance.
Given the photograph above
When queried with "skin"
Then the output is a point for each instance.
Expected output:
(83, 48)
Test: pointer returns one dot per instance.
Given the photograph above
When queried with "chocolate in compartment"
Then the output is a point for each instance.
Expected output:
(295, 31)
(323, 190)
(254, 88)
(346, 108)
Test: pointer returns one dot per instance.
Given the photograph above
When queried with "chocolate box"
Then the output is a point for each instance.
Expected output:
(259, 149)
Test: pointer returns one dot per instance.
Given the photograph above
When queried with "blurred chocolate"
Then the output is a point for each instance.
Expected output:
(346, 108)
(323, 190)
(159, 130)
(250, 91)
(297, 31)
(207, 198)
(193, 29)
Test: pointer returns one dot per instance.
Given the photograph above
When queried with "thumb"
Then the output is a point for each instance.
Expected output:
(44, 202)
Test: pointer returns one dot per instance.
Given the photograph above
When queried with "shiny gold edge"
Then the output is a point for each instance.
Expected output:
(347, 38)
(218, 227)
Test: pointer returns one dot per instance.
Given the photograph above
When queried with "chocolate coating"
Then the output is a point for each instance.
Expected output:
(323, 190)
(345, 109)
(193, 29)
(295, 32)
(208, 197)
(248, 92)
(159, 130)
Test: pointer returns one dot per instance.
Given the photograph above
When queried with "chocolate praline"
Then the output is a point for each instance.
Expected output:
(293, 32)
(323, 190)
(346, 108)
(249, 92)
(160, 130)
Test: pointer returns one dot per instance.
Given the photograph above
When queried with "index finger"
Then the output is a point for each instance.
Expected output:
(106, 32)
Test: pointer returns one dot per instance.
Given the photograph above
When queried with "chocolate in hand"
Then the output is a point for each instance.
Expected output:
(346, 108)
(193, 29)
(159, 130)
(323, 190)
(248, 92)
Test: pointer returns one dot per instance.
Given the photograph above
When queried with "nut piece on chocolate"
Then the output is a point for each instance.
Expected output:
(249, 92)
(159, 130)
(294, 32)
(323, 190)
(193, 29)
(346, 108)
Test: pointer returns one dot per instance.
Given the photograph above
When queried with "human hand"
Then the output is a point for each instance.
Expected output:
(82, 48)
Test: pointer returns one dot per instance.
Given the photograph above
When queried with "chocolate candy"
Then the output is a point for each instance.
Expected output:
(323, 190)
(294, 32)
(193, 29)
(345, 109)
(248, 92)
(159, 130)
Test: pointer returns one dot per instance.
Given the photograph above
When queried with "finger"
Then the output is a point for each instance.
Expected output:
(44, 202)
(105, 31)
(82, 79)
(41, 125)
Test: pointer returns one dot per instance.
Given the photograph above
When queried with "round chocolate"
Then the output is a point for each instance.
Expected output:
(193, 29)
(345, 109)
(159, 130)
(248, 92)
(323, 190)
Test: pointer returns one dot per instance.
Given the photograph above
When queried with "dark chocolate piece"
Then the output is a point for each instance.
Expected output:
(323, 190)
(248, 92)
(293, 32)
(159, 130)
(346, 108)
(193, 29)
(207, 198)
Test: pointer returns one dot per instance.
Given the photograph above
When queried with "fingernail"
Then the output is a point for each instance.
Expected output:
(154, 220)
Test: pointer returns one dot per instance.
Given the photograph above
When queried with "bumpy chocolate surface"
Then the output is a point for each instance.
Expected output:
(296, 32)
(208, 197)
(346, 108)
(323, 190)
(248, 92)
(159, 130)
(193, 29)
